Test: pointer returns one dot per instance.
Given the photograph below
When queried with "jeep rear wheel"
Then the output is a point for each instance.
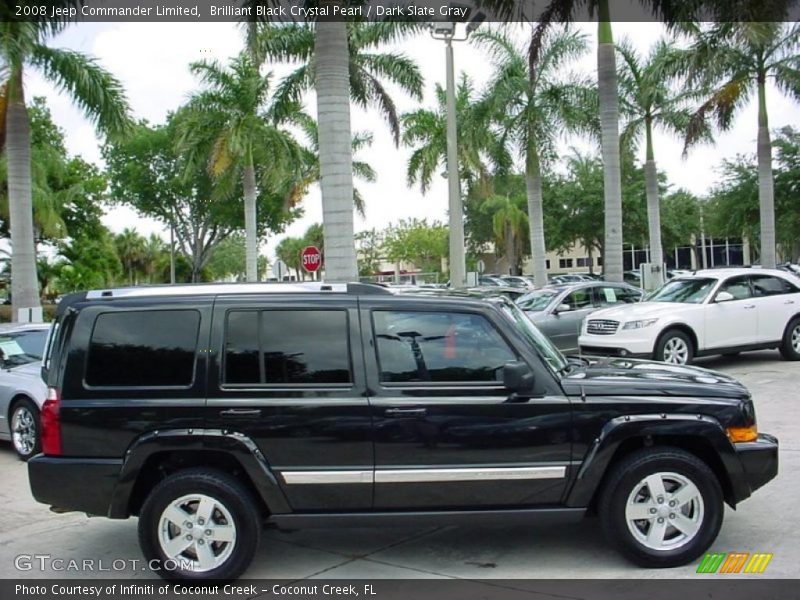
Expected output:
(661, 507)
(199, 524)
(790, 345)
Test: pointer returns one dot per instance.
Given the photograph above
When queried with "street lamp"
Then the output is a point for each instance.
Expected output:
(446, 30)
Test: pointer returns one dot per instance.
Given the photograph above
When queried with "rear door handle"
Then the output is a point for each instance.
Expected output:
(789, 302)
(750, 306)
(240, 412)
(406, 412)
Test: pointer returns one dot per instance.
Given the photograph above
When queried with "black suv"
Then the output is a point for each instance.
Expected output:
(210, 410)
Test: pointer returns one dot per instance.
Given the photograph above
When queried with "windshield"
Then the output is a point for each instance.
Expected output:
(689, 291)
(22, 347)
(536, 301)
(550, 353)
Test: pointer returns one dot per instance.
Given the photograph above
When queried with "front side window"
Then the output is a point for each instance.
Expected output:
(143, 349)
(439, 347)
(287, 347)
(738, 287)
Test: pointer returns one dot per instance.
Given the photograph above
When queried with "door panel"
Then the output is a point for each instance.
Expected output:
(457, 444)
(735, 322)
(293, 381)
(776, 302)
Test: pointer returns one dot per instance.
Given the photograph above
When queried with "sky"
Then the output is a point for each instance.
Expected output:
(151, 60)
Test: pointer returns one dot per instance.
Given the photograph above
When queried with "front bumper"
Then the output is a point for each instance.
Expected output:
(74, 484)
(633, 343)
(759, 460)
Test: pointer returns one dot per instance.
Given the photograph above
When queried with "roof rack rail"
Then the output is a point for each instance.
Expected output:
(212, 289)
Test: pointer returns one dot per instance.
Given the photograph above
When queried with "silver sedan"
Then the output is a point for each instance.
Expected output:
(559, 310)
(22, 391)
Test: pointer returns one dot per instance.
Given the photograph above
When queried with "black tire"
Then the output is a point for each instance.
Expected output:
(666, 338)
(225, 490)
(787, 347)
(628, 475)
(27, 410)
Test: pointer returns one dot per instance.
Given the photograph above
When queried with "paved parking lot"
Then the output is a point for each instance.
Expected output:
(764, 523)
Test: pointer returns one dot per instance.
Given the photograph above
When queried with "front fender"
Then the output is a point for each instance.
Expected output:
(237, 445)
(681, 427)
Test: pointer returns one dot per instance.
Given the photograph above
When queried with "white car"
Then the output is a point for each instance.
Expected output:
(716, 311)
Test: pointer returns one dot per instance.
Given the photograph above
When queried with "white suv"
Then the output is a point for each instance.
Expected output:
(717, 311)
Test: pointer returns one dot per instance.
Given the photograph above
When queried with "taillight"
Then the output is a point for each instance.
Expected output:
(51, 423)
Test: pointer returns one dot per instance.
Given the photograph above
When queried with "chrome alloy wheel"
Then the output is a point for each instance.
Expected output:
(676, 352)
(664, 511)
(197, 528)
(796, 338)
(23, 430)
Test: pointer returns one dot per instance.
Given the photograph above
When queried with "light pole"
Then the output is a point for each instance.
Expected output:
(446, 30)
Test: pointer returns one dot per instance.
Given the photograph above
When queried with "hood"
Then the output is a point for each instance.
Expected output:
(626, 377)
(640, 310)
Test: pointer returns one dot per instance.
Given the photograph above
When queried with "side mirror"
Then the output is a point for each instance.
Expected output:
(724, 297)
(562, 308)
(518, 377)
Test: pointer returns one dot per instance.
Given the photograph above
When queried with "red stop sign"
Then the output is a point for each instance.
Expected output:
(311, 258)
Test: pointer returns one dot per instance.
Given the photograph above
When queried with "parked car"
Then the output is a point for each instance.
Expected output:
(486, 280)
(207, 410)
(520, 281)
(558, 311)
(570, 278)
(716, 311)
(22, 390)
(632, 278)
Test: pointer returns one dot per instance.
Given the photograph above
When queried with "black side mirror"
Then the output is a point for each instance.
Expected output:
(518, 377)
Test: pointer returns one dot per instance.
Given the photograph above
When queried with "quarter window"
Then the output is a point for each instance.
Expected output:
(439, 347)
(286, 347)
(767, 285)
(143, 348)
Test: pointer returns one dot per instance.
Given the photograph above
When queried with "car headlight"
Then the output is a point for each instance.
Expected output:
(639, 324)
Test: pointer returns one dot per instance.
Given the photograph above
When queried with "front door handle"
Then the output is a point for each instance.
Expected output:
(240, 412)
(406, 412)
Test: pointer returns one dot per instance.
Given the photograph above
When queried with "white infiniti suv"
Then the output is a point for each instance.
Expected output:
(715, 311)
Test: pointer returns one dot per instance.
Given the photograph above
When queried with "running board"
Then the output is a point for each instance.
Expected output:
(528, 516)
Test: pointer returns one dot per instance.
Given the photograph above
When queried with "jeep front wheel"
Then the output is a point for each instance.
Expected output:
(661, 507)
(199, 524)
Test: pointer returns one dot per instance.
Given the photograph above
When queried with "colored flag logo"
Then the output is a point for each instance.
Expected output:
(724, 563)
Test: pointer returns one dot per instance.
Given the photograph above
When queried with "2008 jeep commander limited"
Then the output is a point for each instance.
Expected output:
(208, 410)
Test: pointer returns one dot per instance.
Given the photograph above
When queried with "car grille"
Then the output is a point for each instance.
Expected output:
(602, 327)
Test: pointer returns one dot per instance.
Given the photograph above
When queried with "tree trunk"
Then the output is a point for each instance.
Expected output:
(609, 123)
(653, 206)
(332, 59)
(509, 235)
(766, 193)
(24, 283)
(250, 236)
(533, 185)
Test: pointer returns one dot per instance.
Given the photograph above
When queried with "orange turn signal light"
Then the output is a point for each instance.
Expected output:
(743, 434)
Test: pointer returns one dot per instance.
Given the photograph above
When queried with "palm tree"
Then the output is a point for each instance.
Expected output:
(736, 60)
(509, 223)
(532, 107)
(24, 45)
(131, 249)
(650, 100)
(479, 146)
(339, 62)
(235, 118)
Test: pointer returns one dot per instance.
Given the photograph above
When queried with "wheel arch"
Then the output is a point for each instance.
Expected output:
(16, 399)
(679, 326)
(701, 436)
(155, 456)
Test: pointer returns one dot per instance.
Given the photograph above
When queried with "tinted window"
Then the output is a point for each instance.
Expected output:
(439, 347)
(287, 347)
(766, 285)
(608, 295)
(738, 287)
(149, 349)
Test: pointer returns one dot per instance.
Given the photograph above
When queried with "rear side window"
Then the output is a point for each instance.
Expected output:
(143, 348)
(287, 347)
(766, 285)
